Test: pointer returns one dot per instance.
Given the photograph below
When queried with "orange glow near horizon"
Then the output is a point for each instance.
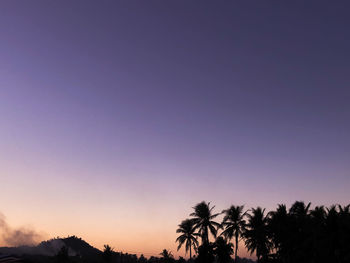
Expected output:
(122, 239)
(102, 212)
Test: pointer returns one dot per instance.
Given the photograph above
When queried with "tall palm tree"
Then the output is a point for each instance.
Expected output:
(203, 221)
(257, 235)
(188, 236)
(301, 232)
(233, 224)
(278, 224)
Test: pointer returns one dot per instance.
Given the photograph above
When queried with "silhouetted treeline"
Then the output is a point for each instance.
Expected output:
(75, 250)
(295, 235)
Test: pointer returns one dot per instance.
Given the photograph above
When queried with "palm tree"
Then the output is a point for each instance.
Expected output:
(203, 221)
(299, 210)
(318, 235)
(107, 252)
(188, 236)
(167, 256)
(332, 230)
(301, 247)
(256, 234)
(344, 210)
(344, 232)
(233, 224)
(278, 224)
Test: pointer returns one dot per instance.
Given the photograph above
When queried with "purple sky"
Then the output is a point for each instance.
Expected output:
(136, 110)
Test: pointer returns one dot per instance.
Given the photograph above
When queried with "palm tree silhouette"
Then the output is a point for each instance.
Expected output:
(188, 236)
(257, 235)
(318, 235)
(279, 231)
(203, 221)
(299, 210)
(233, 224)
(167, 256)
(332, 230)
(107, 252)
(300, 230)
(300, 234)
(344, 232)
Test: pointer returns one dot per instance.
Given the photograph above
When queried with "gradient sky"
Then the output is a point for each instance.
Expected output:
(116, 117)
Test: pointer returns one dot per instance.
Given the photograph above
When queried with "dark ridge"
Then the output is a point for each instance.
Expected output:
(76, 247)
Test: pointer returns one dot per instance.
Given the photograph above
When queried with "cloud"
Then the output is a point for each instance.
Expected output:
(17, 236)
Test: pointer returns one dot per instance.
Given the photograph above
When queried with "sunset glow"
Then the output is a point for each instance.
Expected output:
(117, 117)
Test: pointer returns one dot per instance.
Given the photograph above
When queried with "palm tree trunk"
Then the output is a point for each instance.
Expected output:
(236, 248)
(190, 252)
(206, 236)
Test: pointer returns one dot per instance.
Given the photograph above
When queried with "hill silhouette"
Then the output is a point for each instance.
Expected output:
(76, 247)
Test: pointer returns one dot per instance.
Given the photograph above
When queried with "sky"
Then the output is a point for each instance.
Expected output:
(117, 117)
